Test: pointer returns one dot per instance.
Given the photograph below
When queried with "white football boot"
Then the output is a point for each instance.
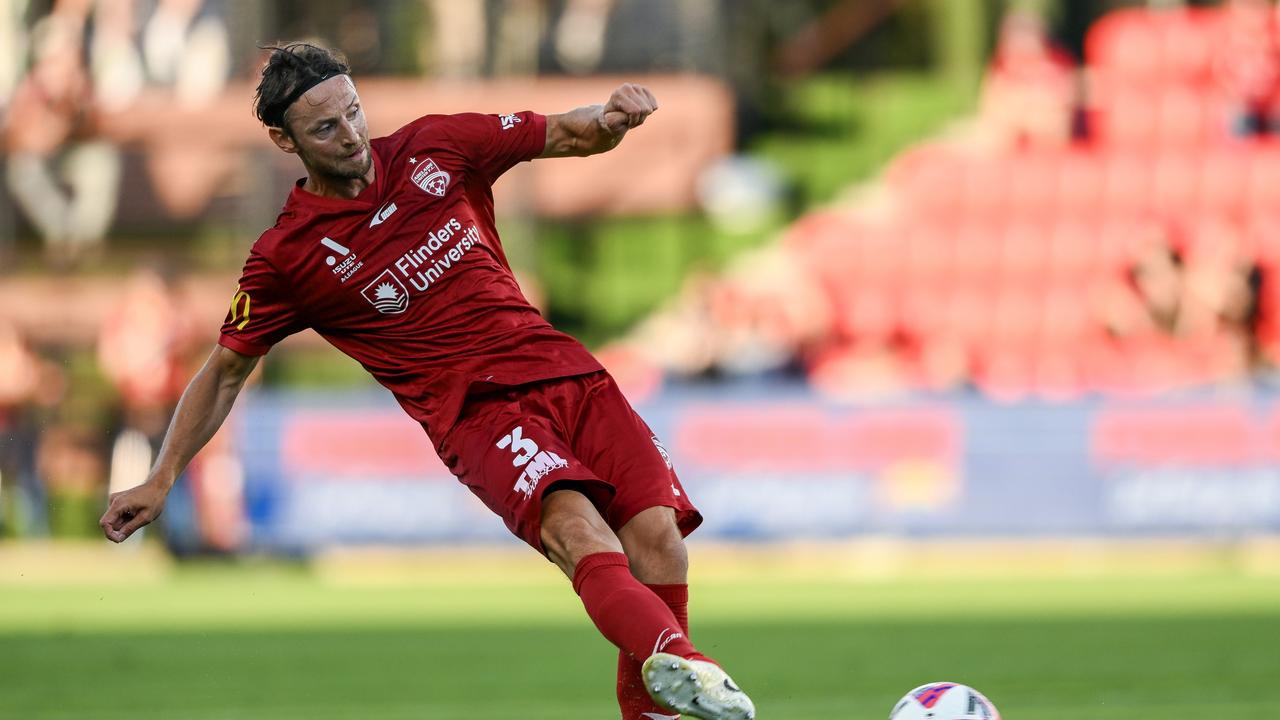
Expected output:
(695, 688)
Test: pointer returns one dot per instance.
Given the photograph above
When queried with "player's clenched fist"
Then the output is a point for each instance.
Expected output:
(628, 106)
(131, 509)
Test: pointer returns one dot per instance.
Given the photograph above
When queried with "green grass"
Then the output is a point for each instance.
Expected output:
(271, 644)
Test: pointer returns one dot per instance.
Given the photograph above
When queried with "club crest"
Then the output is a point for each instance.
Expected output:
(387, 294)
(428, 176)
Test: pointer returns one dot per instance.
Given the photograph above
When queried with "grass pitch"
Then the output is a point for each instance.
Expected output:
(276, 644)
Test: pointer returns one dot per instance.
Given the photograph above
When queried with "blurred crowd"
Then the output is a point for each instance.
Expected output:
(72, 422)
(60, 445)
(66, 67)
(63, 65)
(1190, 291)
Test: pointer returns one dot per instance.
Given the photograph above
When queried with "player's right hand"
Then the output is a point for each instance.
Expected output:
(627, 108)
(130, 509)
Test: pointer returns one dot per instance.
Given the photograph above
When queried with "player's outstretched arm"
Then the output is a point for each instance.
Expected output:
(598, 128)
(204, 405)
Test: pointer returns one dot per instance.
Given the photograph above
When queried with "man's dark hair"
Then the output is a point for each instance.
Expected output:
(292, 70)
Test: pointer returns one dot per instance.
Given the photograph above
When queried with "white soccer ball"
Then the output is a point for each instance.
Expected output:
(944, 701)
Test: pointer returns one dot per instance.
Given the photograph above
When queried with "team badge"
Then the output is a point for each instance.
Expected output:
(430, 177)
(387, 294)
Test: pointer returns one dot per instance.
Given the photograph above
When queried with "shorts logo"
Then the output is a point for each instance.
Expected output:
(509, 121)
(387, 294)
(536, 463)
(430, 177)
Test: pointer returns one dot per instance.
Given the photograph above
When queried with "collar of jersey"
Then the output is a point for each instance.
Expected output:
(367, 198)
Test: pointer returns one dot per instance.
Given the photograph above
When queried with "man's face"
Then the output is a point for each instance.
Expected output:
(327, 129)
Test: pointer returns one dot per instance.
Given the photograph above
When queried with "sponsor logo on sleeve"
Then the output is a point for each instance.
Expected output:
(239, 313)
(509, 121)
(662, 450)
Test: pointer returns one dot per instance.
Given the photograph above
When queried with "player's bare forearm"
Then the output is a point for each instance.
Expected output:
(201, 411)
(598, 128)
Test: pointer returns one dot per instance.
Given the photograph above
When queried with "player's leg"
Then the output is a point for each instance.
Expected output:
(651, 512)
(655, 548)
(572, 528)
(578, 540)
(696, 686)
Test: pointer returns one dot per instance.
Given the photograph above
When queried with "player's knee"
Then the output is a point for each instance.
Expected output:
(572, 529)
(658, 554)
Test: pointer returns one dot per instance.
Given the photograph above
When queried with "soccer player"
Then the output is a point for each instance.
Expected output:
(388, 250)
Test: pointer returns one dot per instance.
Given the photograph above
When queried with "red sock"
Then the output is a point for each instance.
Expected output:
(677, 599)
(633, 699)
(626, 612)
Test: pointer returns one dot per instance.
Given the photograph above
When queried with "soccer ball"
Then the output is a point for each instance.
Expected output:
(944, 701)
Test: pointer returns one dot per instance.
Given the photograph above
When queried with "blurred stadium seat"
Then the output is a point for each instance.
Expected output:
(1006, 250)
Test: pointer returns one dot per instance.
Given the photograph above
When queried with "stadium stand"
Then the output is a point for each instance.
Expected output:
(1134, 258)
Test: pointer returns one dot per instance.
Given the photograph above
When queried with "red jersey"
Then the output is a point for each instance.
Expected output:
(409, 277)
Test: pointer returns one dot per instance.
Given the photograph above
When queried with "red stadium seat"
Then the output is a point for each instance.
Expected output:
(1128, 115)
(1264, 178)
(1224, 180)
(1126, 183)
(1080, 184)
(1262, 239)
(1184, 117)
(1033, 183)
(1073, 249)
(1188, 39)
(1015, 325)
(1058, 376)
(1126, 43)
(1024, 252)
(868, 314)
(922, 309)
(985, 188)
(1006, 376)
(1174, 46)
(928, 178)
(1174, 184)
(1121, 239)
(928, 254)
(967, 313)
(977, 248)
(1066, 315)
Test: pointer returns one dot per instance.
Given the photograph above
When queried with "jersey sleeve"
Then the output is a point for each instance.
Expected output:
(260, 314)
(495, 143)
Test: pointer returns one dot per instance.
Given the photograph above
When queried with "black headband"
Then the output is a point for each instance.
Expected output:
(275, 113)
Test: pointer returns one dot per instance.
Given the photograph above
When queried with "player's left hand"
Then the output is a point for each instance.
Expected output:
(129, 510)
(628, 106)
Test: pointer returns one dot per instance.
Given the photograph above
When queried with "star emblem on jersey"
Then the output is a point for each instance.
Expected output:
(387, 294)
(428, 176)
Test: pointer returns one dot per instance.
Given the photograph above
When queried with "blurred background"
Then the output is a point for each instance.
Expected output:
(959, 318)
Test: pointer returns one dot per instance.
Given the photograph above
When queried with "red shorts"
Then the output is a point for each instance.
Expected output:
(509, 446)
